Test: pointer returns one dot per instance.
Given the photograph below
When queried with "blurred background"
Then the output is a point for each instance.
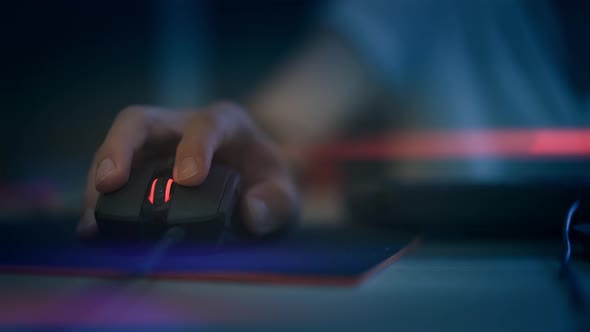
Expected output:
(69, 67)
(312, 71)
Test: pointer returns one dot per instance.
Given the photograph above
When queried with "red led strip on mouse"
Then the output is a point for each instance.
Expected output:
(152, 190)
(168, 188)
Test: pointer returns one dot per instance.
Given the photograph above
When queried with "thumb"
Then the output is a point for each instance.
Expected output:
(269, 206)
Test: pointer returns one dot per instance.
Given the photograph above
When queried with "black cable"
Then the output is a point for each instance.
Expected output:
(574, 288)
(566, 232)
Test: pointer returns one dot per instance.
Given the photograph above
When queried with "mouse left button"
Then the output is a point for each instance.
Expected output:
(124, 204)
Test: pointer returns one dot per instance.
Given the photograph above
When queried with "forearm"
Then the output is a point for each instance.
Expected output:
(312, 96)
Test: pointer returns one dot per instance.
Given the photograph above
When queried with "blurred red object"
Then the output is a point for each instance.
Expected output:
(501, 144)
(505, 144)
(30, 197)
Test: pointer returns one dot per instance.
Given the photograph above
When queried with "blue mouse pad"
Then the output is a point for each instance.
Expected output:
(317, 256)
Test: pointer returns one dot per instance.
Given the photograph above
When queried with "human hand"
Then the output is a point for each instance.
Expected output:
(222, 131)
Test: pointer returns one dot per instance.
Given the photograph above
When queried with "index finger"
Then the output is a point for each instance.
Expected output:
(132, 128)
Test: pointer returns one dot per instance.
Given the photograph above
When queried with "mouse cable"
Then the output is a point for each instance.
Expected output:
(566, 233)
(574, 287)
(172, 236)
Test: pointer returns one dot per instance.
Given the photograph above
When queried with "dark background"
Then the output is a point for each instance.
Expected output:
(69, 66)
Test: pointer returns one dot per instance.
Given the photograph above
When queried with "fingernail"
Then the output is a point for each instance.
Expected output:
(258, 212)
(186, 169)
(105, 168)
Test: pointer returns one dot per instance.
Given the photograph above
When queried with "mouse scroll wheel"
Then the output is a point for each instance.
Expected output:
(160, 191)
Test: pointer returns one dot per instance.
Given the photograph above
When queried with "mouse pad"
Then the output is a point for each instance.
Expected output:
(314, 256)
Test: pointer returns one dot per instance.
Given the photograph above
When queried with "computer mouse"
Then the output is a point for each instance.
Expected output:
(151, 203)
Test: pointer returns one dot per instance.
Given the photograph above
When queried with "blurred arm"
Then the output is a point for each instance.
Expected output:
(311, 97)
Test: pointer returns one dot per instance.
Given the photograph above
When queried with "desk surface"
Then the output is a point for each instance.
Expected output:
(460, 286)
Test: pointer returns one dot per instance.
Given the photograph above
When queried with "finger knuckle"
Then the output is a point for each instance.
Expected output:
(227, 105)
(217, 124)
(141, 118)
(212, 120)
(132, 112)
(229, 109)
(199, 129)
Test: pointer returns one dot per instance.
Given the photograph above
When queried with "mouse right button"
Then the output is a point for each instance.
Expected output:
(200, 203)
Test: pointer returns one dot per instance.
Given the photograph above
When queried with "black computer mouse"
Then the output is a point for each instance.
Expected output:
(151, 203)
